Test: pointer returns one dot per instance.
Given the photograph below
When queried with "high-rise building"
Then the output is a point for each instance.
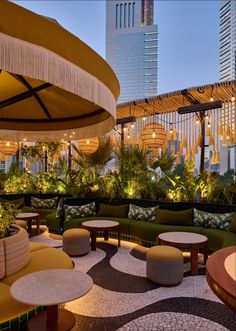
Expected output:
(132, 47)
(227, 40)
(228, 67)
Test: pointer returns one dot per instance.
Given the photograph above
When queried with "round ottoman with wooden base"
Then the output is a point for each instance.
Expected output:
(165, 265)
(76, 242)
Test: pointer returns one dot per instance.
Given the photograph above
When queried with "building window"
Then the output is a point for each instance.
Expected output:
(116, 16)
(121, 8)
(125, 9)
(133, 14)
(129, 13)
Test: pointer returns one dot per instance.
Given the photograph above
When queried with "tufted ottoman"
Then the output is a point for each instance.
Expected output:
(165, 265)
(76, 242)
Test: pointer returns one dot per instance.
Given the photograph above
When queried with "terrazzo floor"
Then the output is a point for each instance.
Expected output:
(123, 299)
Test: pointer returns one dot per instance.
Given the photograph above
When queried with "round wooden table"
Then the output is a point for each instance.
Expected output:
(101, 225)
(221, 274)
(192, 241)
(29, 217)
(50, 288)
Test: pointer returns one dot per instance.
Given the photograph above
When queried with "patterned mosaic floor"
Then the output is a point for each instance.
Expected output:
(123, 299)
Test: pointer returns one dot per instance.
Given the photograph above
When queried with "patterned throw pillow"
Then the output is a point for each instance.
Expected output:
(142, 214)
(212, 220)
(44, 203)
(60, 210)
(79, 211)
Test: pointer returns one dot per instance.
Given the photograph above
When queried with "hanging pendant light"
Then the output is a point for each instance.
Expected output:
(211, 140)
(8, 148)
(208, 129)
(88, 146)
(148, 139)
(217, 157)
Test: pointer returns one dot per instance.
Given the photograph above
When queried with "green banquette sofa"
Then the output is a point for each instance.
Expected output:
(169, 216)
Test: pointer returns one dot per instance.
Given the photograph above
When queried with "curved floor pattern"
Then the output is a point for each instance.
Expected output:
(123, 299)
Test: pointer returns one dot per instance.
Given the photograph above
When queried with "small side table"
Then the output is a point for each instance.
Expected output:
(101, 225)
(29, 217)
(192, 241)
(50, 288)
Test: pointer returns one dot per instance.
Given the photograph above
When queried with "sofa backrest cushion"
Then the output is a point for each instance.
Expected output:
(113, 210)
(79, 211)
(213, 220)
(233, 223)
(172, 217)
(44, 203)
(19, 203)
(142, 214)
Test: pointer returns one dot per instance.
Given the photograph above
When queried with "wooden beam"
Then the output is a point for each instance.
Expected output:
(124, 120)
(200, 107)
(23, 96)
(35, 95)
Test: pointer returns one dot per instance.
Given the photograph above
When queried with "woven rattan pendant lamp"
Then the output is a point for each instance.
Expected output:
(153, 136)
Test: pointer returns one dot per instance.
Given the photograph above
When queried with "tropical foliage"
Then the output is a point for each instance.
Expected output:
(137, 175)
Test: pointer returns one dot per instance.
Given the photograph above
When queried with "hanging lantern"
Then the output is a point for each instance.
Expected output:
(211, 140)
(88, 146)
(217, 157)
(8, 148)
(148, 138)
(208, 130)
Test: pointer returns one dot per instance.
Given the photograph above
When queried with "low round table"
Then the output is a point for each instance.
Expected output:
(101, 225)
(192, 241)
(50, 288)
(221, 274)
(29, 217)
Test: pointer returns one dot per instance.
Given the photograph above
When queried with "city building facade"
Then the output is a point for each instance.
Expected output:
(228, 67)
(132, 47)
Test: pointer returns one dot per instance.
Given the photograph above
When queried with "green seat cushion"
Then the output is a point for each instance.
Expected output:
(218, 239)
(44, 203)
(19, 203)
(148, 231)
(113, 211)
(43, 212)
(172, 217)
(124, 222)
(26, 209)
(43, 259)
(53, 222)
(233, 223)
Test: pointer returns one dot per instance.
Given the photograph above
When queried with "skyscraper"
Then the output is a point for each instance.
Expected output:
(228, 66)
(132, 47)
(227, 40)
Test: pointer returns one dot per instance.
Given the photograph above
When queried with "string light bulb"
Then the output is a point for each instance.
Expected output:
(197, 121)
(211, 99)
(132, 125)
(144, 118)
(233, 99)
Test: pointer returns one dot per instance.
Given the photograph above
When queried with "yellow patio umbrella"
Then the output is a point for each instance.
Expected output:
(52, 85)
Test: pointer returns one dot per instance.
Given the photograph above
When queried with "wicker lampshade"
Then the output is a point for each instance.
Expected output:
(89, 146)
(8, 147)
(153, 135)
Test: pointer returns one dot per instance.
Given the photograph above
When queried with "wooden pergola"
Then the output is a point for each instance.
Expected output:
(193, 98)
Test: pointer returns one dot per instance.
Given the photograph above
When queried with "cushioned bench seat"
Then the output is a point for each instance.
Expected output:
(76, 222)
(47, 258)
(218, 239)
(148, 231)
(10, 308)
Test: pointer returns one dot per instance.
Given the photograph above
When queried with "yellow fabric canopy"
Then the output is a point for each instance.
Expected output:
(51, 83)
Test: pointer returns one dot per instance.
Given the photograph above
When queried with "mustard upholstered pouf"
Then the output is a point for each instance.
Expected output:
(165, 265)
(76, 242)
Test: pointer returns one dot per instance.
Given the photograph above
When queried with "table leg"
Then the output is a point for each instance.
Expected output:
(52, 314)
(194, 260)
(105, 235)
(93, 240)
(29, 225)
(118, 233)
(205, 252)
(38, 224)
